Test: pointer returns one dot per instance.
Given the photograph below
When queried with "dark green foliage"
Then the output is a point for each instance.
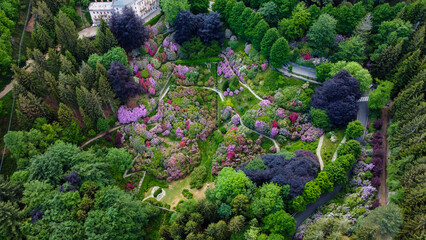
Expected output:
(195, 49)
(323, 71)
(351, 147)
(258, 34)
(279, 223)
(271, 36)
(256, 164)
(335, 172)
(199, 6)
(280, 53)
(198, 177)
(66, 33)
(322, 33)
(320, 118)
(157, 192)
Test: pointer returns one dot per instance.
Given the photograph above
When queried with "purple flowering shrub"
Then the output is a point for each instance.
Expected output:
(127, 115)
(170, 48)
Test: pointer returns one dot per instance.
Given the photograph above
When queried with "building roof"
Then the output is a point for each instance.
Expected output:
(97, 6)
(122, 3)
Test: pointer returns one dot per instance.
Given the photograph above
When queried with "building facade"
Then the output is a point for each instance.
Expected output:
(104, 9)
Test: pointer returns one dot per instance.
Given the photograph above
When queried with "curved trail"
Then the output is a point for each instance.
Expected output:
(335, 153)
(318, 152)
(100, 135)
(222, 98)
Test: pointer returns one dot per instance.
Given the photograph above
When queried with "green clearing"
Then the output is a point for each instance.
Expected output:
(207, 149)
(176, 191)
(149, 182)
(328, 148)
(299, 145)
(244, 101)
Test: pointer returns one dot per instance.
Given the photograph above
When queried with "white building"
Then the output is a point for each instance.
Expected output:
(104, 9)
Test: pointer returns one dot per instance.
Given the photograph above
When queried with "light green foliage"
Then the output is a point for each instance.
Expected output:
(327, 228)
(171, 8)
(393, 31)
(279, 223)
(351, 50)
(19, 176)
(36, 193)
(119, 158)
(234, 17)
(116, 54)
(229, 184)
(354, 129)
(280, 53)
(45, 168)
(322, 33)
(323, 71)
(294, 27)
(236, 224)
(267, 200)
(240, 205)
(320, 118)
(268, 40)
(380, 96)
(347, 17)
(346, 161)
(298, 204)
(350, 147)
(382, 222)
(324, 182)
(118, 214)
(311, 192)
(335, 172)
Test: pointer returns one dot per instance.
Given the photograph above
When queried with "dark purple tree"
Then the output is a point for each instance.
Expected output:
(376, 203)
(36, 214)
(185, 26)
(73, 178)
(375, 182)
(295, 172)
(378, 124)
(211, 29)
(122, 82)
(117, 140)
(339, 97)
(128, 29)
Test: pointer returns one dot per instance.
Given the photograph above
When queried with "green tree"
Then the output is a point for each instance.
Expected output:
(335, 172)
(199, 6)
(171, 8)
(224, 211)
(66, 33)
(311, 192)
(269, 12)
(382, 222)
(280, 53)
(296, 26)
(323, 71)
(105, 40)
(43, 15)
(251, 24)
(324, 182)
(106, 95)
(386, 60)
(219, 6)
(271, 36)
(322, 33)
(354, 129)
(258, 34)
(198, 177)
(267, 200)
(10, 220)
(234, 17)
(279, 223)
(298, 204)
(356, 70)
(350, 147)
(406, 70)
(380, 96)
(119, 158)
(36, 193)
(41, 38)
(236, 224)
(229, 184)
(320, 118)
(351, 50)
(240, 205)
(89, 76)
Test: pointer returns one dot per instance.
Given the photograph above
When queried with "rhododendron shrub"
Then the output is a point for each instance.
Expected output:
(127, 115)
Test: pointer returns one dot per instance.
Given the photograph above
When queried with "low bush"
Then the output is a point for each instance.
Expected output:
(198, 177)
(157, 192)
(187, 194)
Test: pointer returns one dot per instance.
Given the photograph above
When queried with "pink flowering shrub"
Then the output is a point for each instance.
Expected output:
(150, 47)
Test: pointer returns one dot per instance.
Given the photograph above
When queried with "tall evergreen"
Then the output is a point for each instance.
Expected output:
(52, 84)
(406, 70)
(234, 17)
(66, 33)
(258, 34)
(54, 62)
(89, 76)
(104, 40)
(268, 40)
(387, 60)
(106, 94)
(41, 38)
(65, 115)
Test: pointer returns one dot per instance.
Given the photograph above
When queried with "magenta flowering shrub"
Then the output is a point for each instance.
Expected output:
(127, 115)
(150, 47)
(236, 150)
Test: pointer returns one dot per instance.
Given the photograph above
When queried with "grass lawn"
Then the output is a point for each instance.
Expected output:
(151, 181)
(299, 145)
(244, 101)
(328, 148)
(207, 149)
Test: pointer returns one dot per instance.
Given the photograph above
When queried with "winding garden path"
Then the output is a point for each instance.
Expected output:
(289, 74)
(335, 153)
(318, 152)
(101, 135)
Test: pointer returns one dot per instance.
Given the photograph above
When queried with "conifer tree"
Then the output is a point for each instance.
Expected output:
(66, 33)
(229, 5)
(268, 40)
(26, 79)
(100, 70)
(39, 62)
(234, 17)
(258, 34)
(65, 115)
(32, 107)
(104, 40)
(406, 70)
(219, 6)
(54, 62)
(89, 76)
(41, 38)
(106, 94)
(243, 21)
(43, 16)
(85, 48)
(252, 22)
(67, 67)
(52, 84)
(387, 61)
(67, 89)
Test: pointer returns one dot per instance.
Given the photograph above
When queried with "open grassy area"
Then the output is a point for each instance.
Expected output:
(328, 148)
(244, 101)
(151, 181)
(207, 149)
(300, 145)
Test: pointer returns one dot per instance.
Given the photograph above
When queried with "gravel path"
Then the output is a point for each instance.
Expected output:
(302, 70)
(318, 152)
(7, 89)
(289, 74)
(335, 153)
